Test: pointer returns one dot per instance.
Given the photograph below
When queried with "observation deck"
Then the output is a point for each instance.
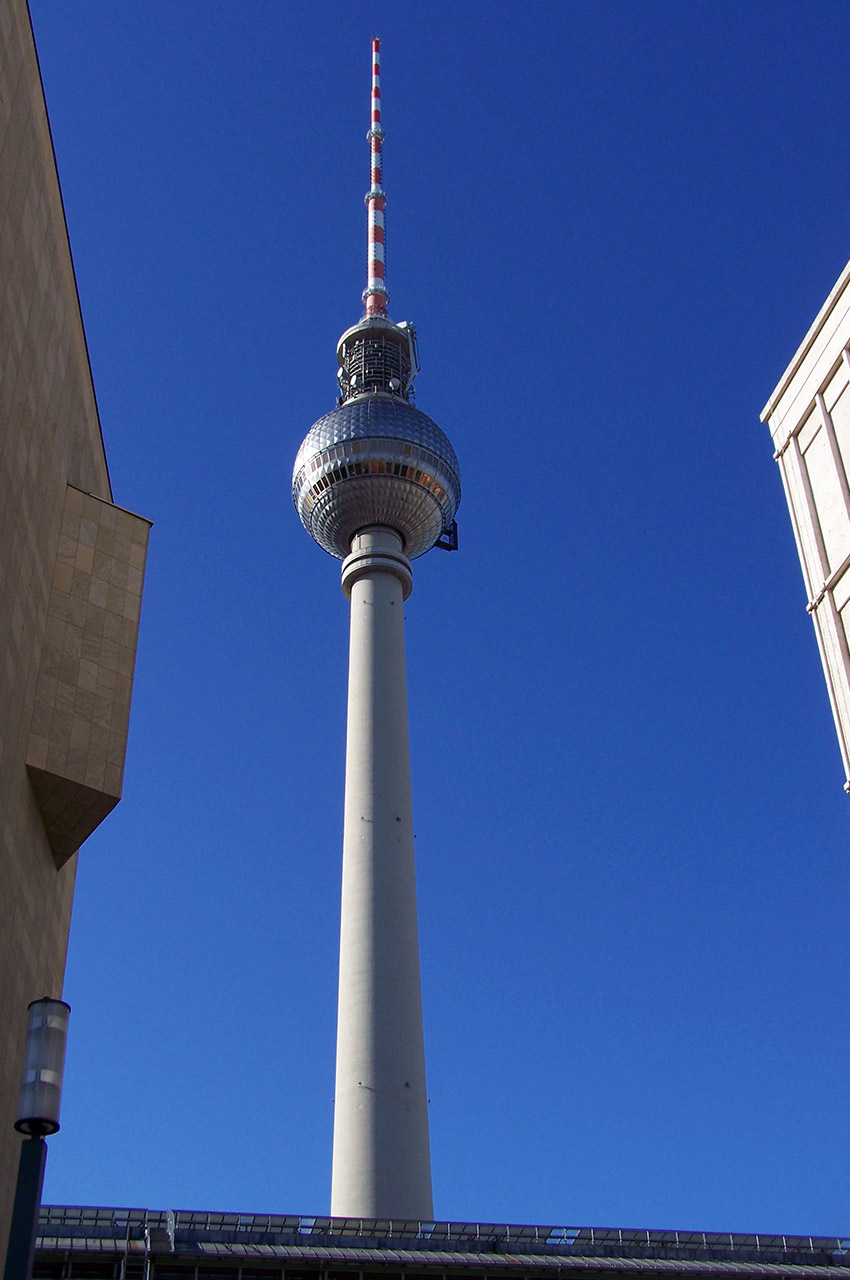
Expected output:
(376, 459)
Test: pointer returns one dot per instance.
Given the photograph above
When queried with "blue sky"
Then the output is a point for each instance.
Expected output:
(612, 224)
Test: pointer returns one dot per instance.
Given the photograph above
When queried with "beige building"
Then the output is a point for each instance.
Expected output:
(809, 418)
(71, 569)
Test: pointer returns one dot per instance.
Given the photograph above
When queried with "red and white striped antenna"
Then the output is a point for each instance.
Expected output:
(375, 294)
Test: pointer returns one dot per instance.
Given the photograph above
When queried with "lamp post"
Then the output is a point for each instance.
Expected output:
(38, 1116)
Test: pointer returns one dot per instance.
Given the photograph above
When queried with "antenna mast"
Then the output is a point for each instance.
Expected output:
(375, 294)
(376, 484)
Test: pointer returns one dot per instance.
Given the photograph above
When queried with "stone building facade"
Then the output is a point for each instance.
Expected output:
(71, 570)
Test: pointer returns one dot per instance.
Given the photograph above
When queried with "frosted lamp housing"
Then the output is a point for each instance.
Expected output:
(376, 460)
(44, 1064)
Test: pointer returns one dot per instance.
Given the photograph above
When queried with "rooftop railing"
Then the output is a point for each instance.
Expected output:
(74, 1221)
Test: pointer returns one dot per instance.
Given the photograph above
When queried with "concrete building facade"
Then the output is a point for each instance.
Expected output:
(809, 419)
(71, 570)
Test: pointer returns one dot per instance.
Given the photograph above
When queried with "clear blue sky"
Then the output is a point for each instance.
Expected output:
(612, 224)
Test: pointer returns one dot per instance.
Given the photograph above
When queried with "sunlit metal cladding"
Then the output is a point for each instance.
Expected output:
(376, 459)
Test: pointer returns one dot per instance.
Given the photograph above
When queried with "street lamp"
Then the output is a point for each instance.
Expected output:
(38, 1116)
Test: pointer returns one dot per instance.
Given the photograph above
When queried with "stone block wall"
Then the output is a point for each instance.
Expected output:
(67, 630)
(78, 736)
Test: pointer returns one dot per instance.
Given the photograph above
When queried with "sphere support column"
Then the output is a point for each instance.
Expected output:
(381, 1155)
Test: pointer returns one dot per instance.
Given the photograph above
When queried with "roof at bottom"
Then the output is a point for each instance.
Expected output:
(181, 1245)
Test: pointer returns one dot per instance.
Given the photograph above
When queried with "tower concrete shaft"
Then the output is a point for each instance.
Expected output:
(381, 1155)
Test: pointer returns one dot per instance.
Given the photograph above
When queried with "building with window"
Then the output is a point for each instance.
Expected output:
(809, 419)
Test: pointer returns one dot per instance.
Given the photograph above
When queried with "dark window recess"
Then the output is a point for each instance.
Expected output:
(43, 1270)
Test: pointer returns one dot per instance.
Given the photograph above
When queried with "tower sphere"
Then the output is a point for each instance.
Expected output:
(376, 459)
(376, 483)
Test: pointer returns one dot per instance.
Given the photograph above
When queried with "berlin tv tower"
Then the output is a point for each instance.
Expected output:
(376, 484)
